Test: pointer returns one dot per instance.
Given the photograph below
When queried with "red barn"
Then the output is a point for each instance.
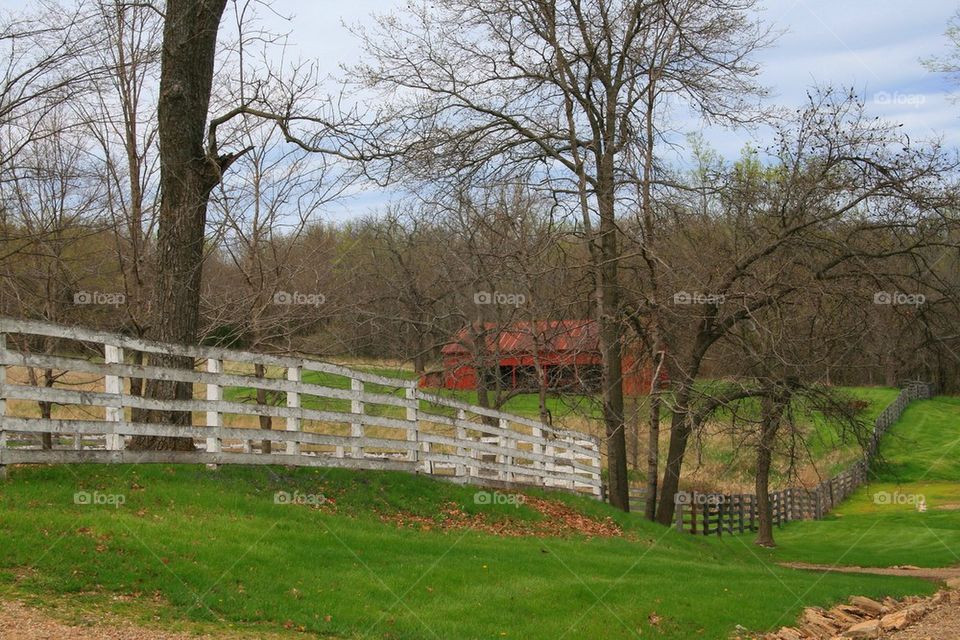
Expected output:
(567, 352)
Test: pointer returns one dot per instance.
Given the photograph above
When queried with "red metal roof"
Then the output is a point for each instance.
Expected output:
(575, 336)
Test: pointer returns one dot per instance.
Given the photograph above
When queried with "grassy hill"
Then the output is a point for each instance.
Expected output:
(386, 555)
(880, 524)
(213, 546)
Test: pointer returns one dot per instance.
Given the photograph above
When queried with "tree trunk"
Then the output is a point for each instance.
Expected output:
(653, 450)
(773, 405)
(136, 384)
(608, 311)
(187, 176)
(680, 429)
(46, 408)
(764, 508)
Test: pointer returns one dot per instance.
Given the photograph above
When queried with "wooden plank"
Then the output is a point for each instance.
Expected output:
(356, 408)
(68, 456)
(215, 418)
(100, 427)
(91, 398)
(294, 424)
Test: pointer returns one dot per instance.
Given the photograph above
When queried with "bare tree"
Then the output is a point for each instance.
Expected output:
(43, 51)
(838, 179)
(118, 117)
(554, 90)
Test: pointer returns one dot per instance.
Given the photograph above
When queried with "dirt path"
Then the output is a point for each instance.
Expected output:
(25, 623)
(939, 574)
(943, 623)
(21, 622)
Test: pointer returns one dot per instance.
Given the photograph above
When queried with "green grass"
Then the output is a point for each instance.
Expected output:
(524, 404)
(215, 547)
(922, 458)
(191, 548)
(829, 449)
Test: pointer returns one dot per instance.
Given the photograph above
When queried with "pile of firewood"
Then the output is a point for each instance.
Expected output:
(862, 618)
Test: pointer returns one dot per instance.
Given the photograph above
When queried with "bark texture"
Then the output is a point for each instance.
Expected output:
(187, 176)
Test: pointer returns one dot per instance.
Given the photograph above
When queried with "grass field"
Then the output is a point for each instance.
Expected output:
(197, 549)
(880, 524)
(213, 546)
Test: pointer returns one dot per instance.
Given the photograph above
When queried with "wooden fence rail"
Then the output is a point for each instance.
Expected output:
(716, 514)
(318, 414)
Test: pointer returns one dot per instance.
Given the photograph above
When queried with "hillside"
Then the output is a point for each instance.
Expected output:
(376, 560)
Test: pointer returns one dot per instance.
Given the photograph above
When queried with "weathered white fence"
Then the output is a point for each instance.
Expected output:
(329, 415)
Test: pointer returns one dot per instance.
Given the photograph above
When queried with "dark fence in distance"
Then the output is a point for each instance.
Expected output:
(716, 514)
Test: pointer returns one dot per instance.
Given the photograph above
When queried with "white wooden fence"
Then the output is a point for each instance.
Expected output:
(326, 415)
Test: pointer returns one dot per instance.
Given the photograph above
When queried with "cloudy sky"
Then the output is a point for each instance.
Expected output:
(874, 46)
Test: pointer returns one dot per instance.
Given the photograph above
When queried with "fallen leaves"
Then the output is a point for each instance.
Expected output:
(560, 520)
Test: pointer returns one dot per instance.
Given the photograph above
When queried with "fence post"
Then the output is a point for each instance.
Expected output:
(597, 476)
(294, 375)
(214, 417)
(508, 443)
(112, 384)
(678, 514)
(413, 432)
(461, 469)
(537, 448)
(356, 408)
(550, 452)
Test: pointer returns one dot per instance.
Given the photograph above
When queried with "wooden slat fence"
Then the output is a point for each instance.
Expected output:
(716, 514)
(320, 414)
